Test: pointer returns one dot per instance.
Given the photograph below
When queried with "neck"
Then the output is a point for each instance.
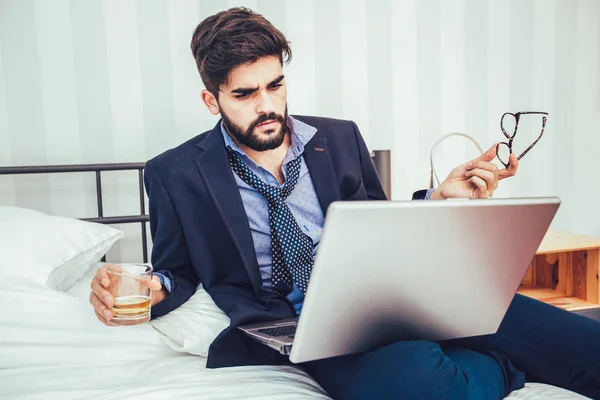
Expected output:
(271, 160)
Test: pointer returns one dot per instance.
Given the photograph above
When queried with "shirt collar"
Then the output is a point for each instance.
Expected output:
(301, 134)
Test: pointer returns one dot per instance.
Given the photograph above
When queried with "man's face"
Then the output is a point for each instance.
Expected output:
(253, 104)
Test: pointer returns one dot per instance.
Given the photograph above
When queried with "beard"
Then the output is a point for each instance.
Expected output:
(258, 141)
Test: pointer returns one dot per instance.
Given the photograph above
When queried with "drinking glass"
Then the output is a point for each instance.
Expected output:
(129, 288)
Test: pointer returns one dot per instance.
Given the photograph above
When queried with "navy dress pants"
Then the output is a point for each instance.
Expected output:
(536, 342)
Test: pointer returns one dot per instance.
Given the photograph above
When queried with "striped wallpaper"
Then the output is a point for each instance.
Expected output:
(85, 81)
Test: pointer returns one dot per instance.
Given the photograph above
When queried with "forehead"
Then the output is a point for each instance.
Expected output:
(257, 74)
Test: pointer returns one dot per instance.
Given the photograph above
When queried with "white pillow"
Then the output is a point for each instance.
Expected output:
(194, 325)
(191, 328)
(51, 328)
(51, 251)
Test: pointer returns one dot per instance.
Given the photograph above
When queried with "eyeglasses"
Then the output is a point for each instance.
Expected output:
(510, 121)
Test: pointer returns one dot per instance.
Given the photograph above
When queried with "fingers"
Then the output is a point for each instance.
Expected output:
(512, 168)
(103, 319)
(485, 165)
(153, 283)
(102, 275)
(100, 298)
(101, 293)
(489, 177)
(480, 187)
(102, 311)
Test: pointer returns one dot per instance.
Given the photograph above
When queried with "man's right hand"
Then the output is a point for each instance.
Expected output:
(102, 300)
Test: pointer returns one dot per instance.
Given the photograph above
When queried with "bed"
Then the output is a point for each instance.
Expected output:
(52, 346)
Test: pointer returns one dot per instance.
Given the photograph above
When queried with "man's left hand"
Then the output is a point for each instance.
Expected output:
(477, 179)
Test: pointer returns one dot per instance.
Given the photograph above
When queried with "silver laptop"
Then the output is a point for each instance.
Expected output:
(415, 270)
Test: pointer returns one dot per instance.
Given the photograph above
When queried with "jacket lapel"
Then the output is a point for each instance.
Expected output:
(217, 174)
(319, 163)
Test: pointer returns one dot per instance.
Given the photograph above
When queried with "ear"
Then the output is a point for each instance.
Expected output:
(211, 102)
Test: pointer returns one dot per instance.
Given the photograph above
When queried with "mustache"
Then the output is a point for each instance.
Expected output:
(266, 117)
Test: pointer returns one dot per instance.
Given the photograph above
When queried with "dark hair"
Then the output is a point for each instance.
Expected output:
(231, 38)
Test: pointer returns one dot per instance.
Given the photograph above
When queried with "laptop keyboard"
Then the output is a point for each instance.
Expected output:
(288, 330)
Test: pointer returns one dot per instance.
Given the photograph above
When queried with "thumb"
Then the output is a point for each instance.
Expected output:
(154, 284)
(489, 155)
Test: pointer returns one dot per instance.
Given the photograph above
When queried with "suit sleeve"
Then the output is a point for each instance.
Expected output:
(170, 255)
(369, 173)
(420, 195)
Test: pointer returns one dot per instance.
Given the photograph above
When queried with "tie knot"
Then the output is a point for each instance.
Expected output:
(274, 195)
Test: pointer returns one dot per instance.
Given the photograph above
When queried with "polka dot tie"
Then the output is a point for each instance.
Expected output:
(291, 249)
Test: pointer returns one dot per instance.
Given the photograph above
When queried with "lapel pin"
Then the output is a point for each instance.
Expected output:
(319, 149)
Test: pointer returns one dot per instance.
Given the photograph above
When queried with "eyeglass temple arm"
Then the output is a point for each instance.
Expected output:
(534, 143)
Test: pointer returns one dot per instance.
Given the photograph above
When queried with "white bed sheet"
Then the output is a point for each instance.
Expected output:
(186, 378)
(52, 347)
(540, 391)
(174, 378)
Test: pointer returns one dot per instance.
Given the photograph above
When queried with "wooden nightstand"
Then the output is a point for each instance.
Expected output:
(564, 272)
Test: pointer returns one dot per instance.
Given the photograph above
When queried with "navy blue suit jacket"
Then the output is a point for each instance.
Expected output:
(201, 232)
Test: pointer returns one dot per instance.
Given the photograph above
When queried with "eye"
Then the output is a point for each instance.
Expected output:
(242, 96)
(276, 86)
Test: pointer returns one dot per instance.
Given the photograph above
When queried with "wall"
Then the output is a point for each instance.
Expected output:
(105, 81)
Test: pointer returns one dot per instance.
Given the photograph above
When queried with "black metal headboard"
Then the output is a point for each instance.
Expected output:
(142, 218)
(381, 160)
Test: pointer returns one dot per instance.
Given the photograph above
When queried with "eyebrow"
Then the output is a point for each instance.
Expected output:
(252, 90)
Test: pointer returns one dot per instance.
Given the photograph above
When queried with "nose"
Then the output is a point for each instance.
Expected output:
(265, 104)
